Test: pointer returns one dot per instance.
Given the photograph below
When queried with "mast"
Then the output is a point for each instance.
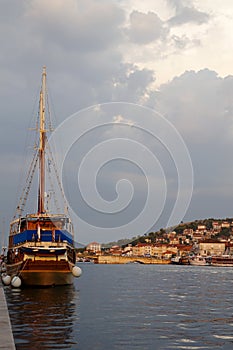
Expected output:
(41, 208)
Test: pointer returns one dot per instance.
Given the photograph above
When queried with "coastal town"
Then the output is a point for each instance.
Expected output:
(203, 242)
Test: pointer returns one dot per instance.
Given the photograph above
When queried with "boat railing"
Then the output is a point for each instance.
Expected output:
(45, 236)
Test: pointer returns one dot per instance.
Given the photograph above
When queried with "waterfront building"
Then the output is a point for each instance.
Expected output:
(211, 247)
(142, 249)
(116, 250)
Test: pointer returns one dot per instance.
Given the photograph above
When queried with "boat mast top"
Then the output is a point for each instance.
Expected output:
(41, 192)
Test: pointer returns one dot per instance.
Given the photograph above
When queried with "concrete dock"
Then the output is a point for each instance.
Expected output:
(6, 335)
(118, 259)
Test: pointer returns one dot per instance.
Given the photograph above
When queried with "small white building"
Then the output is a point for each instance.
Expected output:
(201, 228)
(225, 224)
(93, 247)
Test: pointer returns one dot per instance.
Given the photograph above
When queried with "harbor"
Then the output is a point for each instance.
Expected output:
(116, 191)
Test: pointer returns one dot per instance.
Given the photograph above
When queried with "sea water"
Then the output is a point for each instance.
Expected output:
(130, 306)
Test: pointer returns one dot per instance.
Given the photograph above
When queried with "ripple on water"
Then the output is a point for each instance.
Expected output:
(128, 307)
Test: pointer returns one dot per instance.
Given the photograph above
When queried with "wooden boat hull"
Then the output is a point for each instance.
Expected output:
(42, 273)
(199, 263)
(46, 278)
(223, 264)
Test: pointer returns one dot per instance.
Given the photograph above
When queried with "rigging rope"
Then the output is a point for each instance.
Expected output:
(58, 179)
(27, 187)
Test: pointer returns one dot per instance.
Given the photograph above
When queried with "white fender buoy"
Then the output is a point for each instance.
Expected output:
(6, 279)
(3, 267)
(76, 271)
(16, 282)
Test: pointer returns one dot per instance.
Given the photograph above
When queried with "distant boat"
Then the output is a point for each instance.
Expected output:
(41, 244)
(176, 260)
(199, 260)
(184, 260)
(180, 260)
(222, 260)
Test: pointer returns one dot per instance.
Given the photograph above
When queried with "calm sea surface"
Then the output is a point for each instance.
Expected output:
(128, 307)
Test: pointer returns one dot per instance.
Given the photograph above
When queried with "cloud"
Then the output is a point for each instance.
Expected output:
(178, 5)
(120, 119)
(196, 102)
(188, 15)
(84, 25)
(131, 83)
(159, 39)
(200, 106)
(79, 43)
(145, 28)
(97, 51)
(185, 12)
(182, 42)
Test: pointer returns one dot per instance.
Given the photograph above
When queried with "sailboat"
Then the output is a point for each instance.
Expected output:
(41, 248)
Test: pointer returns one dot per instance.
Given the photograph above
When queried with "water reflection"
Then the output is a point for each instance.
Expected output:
(47, 315)
(131, 307)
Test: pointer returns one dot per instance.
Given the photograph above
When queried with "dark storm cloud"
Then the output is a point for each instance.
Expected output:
(200, 106)
(197, 102)
(131, 84)
(84, 25)
(78, 41)
(83, 43)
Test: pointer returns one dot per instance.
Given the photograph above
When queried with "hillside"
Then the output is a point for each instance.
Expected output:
(161, 235)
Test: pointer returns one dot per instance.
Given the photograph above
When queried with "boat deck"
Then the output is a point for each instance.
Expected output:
(6, 335)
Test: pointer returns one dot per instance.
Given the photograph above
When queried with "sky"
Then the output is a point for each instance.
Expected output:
(141, 99)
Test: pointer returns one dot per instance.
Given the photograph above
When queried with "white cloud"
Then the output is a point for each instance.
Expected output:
(120, 119)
